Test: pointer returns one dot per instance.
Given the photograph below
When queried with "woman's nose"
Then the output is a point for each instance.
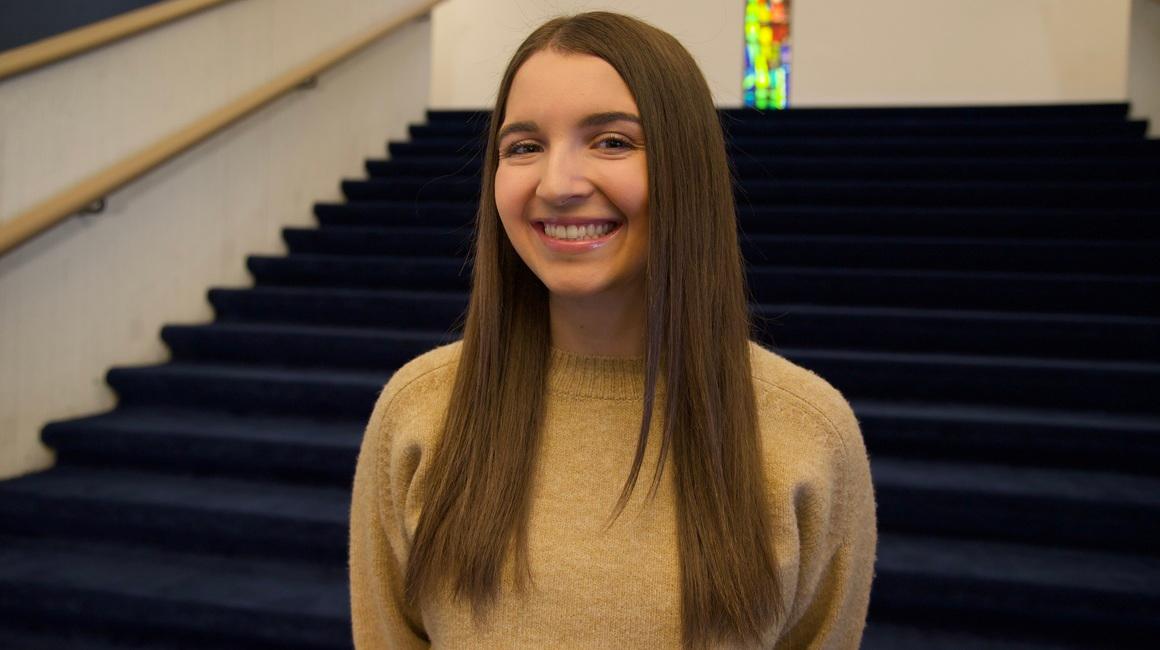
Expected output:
(563, 177)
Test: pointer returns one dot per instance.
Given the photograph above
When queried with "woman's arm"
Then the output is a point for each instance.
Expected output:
(834, 595)
(379, 616)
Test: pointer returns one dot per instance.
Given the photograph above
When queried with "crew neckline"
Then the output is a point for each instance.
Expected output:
(597, 377)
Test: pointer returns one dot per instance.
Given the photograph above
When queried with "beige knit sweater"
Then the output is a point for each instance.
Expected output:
(620, 589)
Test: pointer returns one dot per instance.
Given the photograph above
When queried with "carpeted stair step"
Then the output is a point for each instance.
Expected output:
(1048, 437)
(1027, 223)
(397, 309)
(416, 242)
(775, 127)
(33, 635)
(361, 271)
(848, 251)
(1136, 193)
(1073, 336)
(228, 516)
(300, 345)
(884, 147)
(1008, 589)
(1032, 292)
(1084, 385)
(1049, 506)
(764, 165)
(978, 113)
(1023, 292)
(188, 599)
(244, 389)
(892, 636)
(300, 449)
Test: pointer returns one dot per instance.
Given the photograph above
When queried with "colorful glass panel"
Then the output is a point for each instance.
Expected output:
(767, 54)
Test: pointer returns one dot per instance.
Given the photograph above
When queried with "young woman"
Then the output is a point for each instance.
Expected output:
(607, 333)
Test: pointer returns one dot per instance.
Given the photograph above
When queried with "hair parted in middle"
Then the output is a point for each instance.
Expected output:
(697, 363)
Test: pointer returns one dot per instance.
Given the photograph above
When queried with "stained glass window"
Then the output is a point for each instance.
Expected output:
(767, 54)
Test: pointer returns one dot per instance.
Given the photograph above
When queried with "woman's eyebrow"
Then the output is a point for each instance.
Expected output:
(595, 119)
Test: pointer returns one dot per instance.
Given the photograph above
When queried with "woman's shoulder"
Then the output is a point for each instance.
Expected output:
(432, 371)
(781, 384)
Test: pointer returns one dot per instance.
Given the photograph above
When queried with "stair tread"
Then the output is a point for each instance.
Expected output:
(216, 370)
(994, 479)
(796, 238)
(1019, 563)
(328, 432)
(880, 635)
(436, 337)
(975, 360)
(372, 334)
(843, 310)
(244, 583)
(901, 274)
(211, 493)
(1061, 418)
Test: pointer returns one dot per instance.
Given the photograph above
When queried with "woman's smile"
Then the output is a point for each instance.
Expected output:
(576, 236)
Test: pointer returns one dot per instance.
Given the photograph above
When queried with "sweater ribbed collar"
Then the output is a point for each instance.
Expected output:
(617, 378)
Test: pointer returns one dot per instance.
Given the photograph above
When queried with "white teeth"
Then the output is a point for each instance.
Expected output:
(577, 233)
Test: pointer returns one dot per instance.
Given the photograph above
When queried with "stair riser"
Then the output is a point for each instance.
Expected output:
(798, 168)
(184, 624)
(739, 148)
(299, 351)
(1043, 521)
(98, 448)
(864, 128)
(172, 527)
(1033, 113)
(792, 331)
(1139, 194)
(1101, 618)
(854, 252)
(410, 313)
(1095, 224)
(1096, 388)
(1092, 295)
(239, 396)
(1075, 446)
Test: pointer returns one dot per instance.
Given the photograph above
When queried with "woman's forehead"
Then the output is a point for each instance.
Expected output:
(566, 88)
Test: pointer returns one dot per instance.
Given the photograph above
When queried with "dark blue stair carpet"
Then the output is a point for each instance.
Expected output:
(980, 282)
(1025, 223)
(193, 597)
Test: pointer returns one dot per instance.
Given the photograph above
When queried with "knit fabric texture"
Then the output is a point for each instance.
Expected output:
(619, 588)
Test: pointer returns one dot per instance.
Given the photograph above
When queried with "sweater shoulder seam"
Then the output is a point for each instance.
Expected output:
(835, 431)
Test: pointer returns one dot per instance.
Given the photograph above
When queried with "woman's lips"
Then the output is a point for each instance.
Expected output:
(579, 246)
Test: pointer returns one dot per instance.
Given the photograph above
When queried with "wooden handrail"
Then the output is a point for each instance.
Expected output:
(48, 213)
(80, 40)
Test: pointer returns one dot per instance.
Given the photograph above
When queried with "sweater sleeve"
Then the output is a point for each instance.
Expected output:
(379, 617)
(834, 592)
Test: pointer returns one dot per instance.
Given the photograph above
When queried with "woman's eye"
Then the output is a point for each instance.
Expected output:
(518, 148)
(615, 142)
(611, 142)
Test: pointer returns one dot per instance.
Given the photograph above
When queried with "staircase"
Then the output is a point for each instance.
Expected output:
(983, 284)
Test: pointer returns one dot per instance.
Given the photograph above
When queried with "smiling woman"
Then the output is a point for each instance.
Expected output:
(609, 304)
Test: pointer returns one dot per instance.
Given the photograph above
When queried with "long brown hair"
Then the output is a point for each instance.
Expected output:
(697, 344)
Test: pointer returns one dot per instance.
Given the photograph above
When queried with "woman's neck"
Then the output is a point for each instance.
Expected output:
(602, 326)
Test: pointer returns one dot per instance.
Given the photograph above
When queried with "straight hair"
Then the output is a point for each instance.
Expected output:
(697, 346)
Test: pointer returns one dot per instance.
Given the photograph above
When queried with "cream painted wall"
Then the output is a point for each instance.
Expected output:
(959, 51)
(473, 39)
(94, 292)
(846, 52)
(1144, 63)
